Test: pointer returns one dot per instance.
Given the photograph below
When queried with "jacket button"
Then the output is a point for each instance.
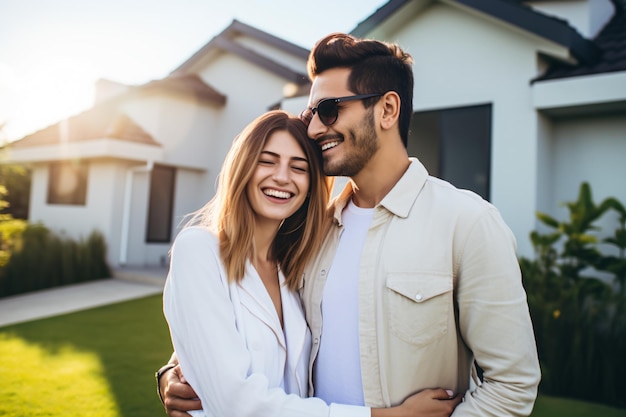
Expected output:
(419, 297)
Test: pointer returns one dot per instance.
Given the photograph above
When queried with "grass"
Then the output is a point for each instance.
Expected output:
(561, 407)
(98, 362)
(101, 362)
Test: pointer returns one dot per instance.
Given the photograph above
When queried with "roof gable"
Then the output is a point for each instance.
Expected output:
(225, 41)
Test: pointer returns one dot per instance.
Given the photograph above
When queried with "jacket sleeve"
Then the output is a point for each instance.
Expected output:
(495, 322)
(212, 354)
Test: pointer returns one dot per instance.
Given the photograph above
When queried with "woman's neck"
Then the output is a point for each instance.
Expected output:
(264, 235)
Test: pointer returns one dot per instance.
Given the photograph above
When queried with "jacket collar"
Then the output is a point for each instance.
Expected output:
(400, 198)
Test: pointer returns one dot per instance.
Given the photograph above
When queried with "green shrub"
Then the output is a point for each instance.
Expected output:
(40, 259)
(579, 318)
(15, 180)
(10, 237)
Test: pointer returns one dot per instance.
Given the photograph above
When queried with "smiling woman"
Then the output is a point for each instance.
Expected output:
(33, 99)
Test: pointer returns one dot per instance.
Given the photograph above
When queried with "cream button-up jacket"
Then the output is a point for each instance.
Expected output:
(229, 340)
(439, 286)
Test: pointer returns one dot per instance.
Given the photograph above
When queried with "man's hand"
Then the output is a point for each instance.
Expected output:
(432, 403)
(178, 396)
(427, 403)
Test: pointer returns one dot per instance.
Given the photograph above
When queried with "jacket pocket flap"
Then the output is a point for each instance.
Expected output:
(419, 287)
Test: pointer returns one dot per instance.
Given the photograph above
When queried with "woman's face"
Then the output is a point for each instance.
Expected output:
(280, 182)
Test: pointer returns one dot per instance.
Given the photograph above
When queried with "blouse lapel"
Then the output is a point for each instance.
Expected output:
(295, 333)
(255, 298)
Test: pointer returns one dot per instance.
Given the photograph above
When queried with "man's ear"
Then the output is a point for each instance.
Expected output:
(389, 109)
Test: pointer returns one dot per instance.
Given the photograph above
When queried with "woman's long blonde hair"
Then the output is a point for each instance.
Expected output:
(230, 215)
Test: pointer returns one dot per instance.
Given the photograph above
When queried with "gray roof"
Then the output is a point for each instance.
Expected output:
(99, 122)
(611, 41)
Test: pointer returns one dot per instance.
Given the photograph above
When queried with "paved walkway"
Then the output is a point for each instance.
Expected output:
(126, 285)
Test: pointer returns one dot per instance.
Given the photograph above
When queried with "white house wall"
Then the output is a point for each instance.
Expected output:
(137, 246)
(101, 211)
(190, 195)
(463, 59)
(593, 150)
(545, 156)
(182, 126)
(115, 170)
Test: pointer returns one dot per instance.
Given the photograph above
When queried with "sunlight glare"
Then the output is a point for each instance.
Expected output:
(44, 95)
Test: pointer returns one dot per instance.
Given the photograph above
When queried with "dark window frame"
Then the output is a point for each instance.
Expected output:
(455, 144)
(161, 204)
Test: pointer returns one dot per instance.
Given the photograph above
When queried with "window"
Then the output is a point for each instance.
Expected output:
(455, 145)
(161, 204)
(67, 182)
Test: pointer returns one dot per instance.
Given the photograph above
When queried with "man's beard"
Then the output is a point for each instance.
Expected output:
(360, 152)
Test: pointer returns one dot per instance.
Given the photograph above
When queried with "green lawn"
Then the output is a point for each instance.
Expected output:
(98, 362)
(101, 362)
(559, 407)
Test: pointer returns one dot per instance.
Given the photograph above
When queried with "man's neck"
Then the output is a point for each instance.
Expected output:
(375, 181)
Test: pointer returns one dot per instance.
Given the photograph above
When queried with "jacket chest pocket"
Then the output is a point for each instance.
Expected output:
(419, 306)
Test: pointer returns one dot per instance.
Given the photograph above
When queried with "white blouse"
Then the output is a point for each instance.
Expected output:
(229, 340)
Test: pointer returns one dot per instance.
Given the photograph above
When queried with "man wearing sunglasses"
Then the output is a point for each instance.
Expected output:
(418, 282)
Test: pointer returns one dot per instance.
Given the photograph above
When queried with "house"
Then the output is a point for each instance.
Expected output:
(520, 101)
(145, 156)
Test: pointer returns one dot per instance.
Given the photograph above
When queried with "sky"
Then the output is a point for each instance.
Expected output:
(53, 51)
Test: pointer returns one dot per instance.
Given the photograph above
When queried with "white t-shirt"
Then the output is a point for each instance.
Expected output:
(337, 372)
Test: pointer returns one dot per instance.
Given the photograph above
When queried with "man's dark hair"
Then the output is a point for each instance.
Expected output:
(376, 67)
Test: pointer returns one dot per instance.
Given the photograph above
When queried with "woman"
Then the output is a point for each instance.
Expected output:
(235, 320)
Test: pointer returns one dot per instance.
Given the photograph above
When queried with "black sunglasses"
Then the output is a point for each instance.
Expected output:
(328, 109)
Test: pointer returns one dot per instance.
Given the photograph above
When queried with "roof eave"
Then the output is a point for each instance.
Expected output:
(95, 148)
(262, 61)
(379, 16)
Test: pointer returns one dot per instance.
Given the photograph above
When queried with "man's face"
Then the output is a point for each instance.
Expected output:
(350, 141)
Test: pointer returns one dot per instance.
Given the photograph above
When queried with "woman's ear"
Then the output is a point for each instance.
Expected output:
(390, 110)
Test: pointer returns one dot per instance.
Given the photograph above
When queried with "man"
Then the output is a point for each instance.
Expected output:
(417, 280)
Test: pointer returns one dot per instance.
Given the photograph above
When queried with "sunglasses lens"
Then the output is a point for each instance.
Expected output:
(328, 111)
